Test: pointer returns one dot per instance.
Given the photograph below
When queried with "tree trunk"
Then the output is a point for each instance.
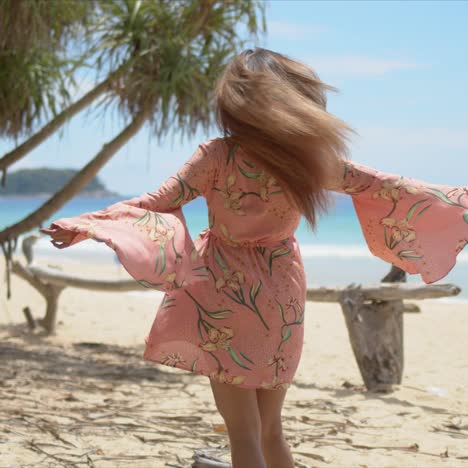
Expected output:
(51, 127)
(50, 317)
(376, 334)
(77, 183)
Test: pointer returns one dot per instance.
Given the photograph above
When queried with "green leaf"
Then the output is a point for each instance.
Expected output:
(231, 152)
(194, 365)
(261, 250)
(281, 312)
(413, 209)
(254, 290)
(465, 216)
(176, 202)
(148, 284)
(219, 314)
(422, 211)
(163, 259)
(143, 218)
(219, 261)
(281, 251)
(216, 317)
(159, 219)
(240, 293)
(287, 335)
(180, 198)
(441, 196)
(237, 300)
(248, 163)
(407, 254)
(250, 175)
(236, 359)
(156, 264)
(200, 334)
(385, 237)
(221, 255)
(246, 357)
(406, 251)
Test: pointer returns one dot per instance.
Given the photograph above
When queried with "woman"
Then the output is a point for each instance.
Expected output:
(235, 297)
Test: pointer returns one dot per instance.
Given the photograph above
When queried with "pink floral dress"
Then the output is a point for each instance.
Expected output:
(234, 301)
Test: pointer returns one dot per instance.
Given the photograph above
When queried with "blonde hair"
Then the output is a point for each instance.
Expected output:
(275, 109)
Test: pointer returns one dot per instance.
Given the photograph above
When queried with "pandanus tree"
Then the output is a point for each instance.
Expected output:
(161, 59)
(36, 66)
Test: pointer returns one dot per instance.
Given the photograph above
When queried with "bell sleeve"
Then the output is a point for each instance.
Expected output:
(417, 226)
(149, 233)
(195, 178)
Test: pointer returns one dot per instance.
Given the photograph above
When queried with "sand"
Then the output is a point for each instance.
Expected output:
(85, 397)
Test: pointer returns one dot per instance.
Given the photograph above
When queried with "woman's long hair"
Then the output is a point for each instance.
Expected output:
(275, 109)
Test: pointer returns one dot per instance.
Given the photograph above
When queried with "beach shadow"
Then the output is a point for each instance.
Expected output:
(346, 391)
(390, 399)
(32, 355)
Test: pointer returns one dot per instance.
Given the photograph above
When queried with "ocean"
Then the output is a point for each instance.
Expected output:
(337, 255)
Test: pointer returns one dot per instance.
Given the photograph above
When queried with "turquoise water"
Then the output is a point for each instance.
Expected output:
(336, 255)
(341, 227)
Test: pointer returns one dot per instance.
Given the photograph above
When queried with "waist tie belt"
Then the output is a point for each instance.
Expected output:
(244, 243)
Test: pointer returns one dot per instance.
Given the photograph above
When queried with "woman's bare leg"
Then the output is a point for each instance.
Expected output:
(275, 448)
(239, 409)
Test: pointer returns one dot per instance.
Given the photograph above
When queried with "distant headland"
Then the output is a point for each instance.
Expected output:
(46, 181)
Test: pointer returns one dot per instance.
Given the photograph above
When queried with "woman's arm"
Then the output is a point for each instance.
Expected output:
(193, 179)
(416, 225)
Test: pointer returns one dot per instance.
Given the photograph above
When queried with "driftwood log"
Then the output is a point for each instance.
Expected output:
(50, 283)
(387, 292)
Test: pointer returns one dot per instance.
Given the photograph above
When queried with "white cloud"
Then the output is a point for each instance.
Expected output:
(292, 31)
(359, 65)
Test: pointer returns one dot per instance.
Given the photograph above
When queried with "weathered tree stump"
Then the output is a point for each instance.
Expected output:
(376, 334)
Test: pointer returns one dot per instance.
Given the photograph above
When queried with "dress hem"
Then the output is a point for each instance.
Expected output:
(284, 385)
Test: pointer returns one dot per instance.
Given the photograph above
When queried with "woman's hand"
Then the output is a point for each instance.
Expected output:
(59, 235)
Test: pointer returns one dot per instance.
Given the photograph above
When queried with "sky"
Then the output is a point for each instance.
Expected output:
(402, 73)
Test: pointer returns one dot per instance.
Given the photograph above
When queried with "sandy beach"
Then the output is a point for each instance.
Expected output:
(85, 397)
